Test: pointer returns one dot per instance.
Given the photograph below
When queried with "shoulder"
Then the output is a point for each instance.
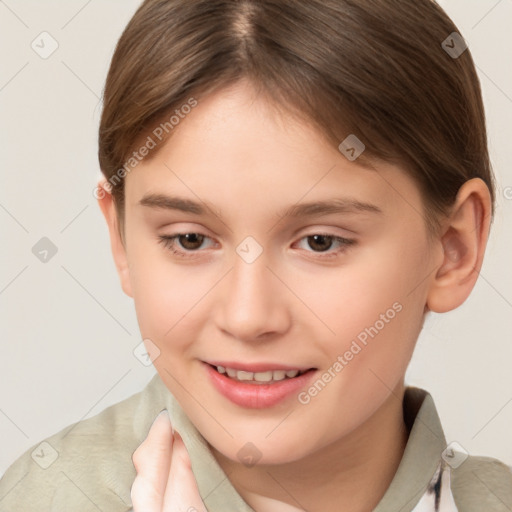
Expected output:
(86, 464)
(482, 483)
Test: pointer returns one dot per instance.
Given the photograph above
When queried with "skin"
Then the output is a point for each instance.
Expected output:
(292, 305)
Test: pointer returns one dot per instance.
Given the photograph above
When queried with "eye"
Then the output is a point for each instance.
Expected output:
(324, 241)
(191, 242)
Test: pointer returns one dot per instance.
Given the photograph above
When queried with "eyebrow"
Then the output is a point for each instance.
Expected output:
(311, 209)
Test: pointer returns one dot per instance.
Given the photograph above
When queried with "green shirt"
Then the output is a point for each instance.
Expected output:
(88, 466)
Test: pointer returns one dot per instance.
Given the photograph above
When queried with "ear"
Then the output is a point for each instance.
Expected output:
(463, 242)
(107, 206)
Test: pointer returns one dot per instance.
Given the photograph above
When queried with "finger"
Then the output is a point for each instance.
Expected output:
(152, 463)
(182, 493)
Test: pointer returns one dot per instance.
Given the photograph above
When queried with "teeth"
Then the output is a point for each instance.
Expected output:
(267, 376)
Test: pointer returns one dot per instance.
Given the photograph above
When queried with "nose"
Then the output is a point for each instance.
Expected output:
(252, 301)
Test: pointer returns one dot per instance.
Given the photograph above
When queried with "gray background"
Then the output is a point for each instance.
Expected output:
(67, 330)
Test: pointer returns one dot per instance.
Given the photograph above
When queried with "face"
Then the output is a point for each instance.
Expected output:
(341, 291)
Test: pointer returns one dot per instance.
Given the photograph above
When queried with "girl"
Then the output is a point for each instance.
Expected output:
(289, 187)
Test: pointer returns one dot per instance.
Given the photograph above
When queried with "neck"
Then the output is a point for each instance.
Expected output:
(351, 474)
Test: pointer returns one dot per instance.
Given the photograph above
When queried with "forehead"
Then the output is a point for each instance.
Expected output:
(235, 150)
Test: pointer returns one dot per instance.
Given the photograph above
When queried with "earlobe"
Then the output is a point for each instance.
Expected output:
(107, 206)
(463, 245)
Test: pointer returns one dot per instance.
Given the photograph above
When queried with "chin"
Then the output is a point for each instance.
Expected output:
(259, 453)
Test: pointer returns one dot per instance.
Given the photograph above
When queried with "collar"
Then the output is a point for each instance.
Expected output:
(418, 466)
(422, 456)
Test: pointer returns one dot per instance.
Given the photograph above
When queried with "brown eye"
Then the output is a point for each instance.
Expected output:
(320, 242)
(323, 242)
(190, 241)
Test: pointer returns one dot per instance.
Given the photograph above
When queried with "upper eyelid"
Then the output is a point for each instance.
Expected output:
(335, 236)
(325, 232)
(308, 231)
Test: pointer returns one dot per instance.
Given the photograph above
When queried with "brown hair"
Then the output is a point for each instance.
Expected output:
(373, 68)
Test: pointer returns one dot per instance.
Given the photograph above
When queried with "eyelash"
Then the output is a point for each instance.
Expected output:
(169, 243)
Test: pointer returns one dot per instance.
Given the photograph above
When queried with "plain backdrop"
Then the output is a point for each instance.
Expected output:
(67, 330)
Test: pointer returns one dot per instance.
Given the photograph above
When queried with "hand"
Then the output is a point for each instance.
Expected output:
(164, 481)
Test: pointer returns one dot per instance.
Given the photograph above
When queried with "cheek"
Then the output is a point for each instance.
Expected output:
(169, 296)
(375, 308)
(161, 291)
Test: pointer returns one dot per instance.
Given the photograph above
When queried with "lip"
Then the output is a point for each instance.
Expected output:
(257, 396)
(256, 367)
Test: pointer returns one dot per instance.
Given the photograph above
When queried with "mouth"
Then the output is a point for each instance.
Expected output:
(260, 377)
(269, 385)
